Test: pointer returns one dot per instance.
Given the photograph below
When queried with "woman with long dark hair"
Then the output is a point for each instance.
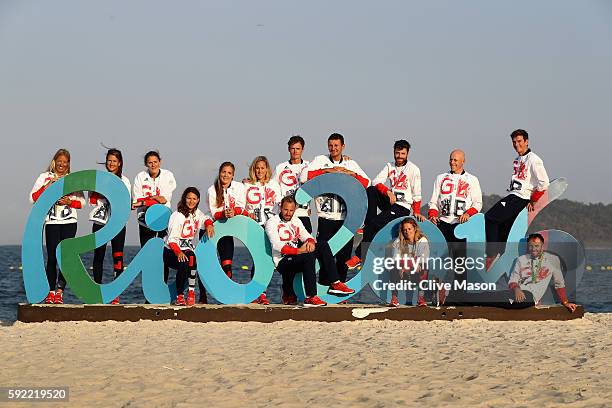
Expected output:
(100, 216)
(151, 186)
(61, 220)
(179, 254)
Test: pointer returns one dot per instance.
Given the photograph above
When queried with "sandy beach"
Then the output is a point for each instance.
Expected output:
(474, 363)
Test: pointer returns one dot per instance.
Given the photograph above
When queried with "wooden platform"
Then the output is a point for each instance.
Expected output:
(273, 313)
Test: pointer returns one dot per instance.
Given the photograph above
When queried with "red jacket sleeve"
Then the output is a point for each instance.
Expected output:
(38, 192)
(416, 207)
(536, 195)
(432, 213)
(175, 248)
(471, 211)
(148, 201)
(364, 181)
(289, 250)
(382, 189)
(562, 294)
(314, 173)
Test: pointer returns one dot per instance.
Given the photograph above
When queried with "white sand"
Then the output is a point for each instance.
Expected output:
(473, 363)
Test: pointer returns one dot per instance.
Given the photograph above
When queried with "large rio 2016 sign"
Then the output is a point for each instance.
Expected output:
(149, 259)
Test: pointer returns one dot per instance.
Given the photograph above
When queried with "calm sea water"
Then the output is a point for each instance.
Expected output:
(594, 291)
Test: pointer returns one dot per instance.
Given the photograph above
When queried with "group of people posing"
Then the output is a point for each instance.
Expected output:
(267, 196)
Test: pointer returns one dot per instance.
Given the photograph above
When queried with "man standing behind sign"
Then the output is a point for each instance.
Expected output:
(455, 198)
(528, 184)
(331, 209)
(288, 175)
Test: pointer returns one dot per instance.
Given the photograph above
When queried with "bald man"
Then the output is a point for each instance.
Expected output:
(456, 197)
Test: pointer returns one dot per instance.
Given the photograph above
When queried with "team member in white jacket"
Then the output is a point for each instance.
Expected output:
(413, 247)
(529, 280)
(263, 195)
(404, 195)
(528, 184)
(151, 186)
(226, 199)
(285, 232)
(100, 215)
(330, 208)
(456, 197)
(61, 220)
(532, 274)
(179, 254)
(290, 174)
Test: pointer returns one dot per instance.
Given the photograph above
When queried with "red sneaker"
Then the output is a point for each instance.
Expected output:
(394, 302)
(360, 231)
(421, 301)
(289, 299)
(261, 300)
(354, 262)
(59, 298)
(340, 289)
(50, 299)
(314, 301)
(190, 297)
(441, 296)
(180, 300)
(115, 301)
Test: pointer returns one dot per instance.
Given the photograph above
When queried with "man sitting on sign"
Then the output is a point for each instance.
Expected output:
(295, 250)
(532, 274)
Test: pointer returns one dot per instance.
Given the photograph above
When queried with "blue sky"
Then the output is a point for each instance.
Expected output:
(205, 82)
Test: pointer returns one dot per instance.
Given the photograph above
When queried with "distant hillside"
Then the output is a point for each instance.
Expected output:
(589, 223)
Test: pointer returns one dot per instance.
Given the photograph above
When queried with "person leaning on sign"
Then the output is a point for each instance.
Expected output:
(331, 209)
(532, 274)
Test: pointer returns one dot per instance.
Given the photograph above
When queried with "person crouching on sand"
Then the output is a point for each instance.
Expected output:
(413, 245)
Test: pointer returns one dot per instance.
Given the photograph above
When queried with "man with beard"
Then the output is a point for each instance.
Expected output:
(397, 201)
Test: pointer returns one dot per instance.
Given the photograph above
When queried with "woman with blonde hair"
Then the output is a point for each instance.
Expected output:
(61, 220)
(263, 195)
(412, 247)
